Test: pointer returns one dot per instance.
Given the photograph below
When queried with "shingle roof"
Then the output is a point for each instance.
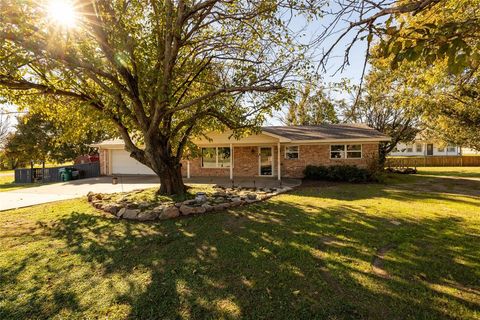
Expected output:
(327, 132)
(110, 142)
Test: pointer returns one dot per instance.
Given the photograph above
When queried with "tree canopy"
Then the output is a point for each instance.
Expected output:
(434, 60)
(37, 139)
(160, 71)
(311, 106)
(431, 51)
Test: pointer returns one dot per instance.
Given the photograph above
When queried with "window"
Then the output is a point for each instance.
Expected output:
(349, 151)
(209, 157)
(354, 151)
(419, 147)
(451, 148)
(216, 157)
(410, 148)
(223, 157)
(441, 149)
(337, 151)
(291, 152)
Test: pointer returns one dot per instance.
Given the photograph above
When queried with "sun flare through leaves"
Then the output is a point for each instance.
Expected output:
(62, 13)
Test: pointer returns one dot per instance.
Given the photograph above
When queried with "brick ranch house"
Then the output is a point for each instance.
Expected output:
(278, 151)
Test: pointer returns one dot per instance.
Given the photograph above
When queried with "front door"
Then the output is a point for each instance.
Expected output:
(266, 161)
(430, 149)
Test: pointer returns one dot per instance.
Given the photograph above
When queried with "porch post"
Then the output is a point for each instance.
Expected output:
(278, 162)
(231, 161)
(188, 169)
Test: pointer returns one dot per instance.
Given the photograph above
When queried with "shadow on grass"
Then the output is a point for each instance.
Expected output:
(275, 260)
(423, 187)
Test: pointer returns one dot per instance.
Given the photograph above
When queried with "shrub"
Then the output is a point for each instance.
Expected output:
(345, 173)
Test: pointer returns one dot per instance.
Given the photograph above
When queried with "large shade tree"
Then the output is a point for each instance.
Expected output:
(160, 71)
(381, 107)
(430, 50)
(312, 106)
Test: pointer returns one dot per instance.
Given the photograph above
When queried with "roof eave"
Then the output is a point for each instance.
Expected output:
(384, 139)
(273, 135)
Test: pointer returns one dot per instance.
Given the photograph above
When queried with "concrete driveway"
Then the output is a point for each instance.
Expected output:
(69, 190)
(79, 188)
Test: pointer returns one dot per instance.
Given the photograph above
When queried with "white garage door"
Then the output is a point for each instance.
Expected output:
(122, 163)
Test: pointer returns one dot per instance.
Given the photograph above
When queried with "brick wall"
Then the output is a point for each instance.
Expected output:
(104, 161)
(246, 161)
(319, 155)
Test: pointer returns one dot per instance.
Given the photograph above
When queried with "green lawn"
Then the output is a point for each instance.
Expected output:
(325, 251)
(473, 172)
(7, 183)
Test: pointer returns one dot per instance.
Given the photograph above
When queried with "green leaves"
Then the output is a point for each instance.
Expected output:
(449, 32)
(433, 63)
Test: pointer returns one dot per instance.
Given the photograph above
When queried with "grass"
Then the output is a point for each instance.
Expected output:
(325, 251)
(473, 172)
(150, 195)
(7, 183)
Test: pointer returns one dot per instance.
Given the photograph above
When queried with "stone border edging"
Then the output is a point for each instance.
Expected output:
(221, 200)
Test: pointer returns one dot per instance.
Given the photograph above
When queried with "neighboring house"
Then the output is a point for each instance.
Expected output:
(279, 151)
(422, 148)
(425, 148)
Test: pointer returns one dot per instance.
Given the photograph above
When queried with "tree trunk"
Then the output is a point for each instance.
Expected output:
(171, 181)
(157, 157)
(383, 151)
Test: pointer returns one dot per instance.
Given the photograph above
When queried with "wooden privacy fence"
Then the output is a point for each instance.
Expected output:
(434, 161)
(86, 170)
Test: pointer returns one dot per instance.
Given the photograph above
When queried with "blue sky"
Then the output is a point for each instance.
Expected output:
(353, 71)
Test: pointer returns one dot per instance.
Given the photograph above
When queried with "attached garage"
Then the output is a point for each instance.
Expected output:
(122, 163)
(114, 160)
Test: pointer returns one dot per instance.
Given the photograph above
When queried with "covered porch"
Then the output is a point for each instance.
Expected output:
(256, 157)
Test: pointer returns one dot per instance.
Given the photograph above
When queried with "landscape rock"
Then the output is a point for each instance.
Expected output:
(147, 216)
(207, 207)
(123, 206)
(121, 212)
(251, 196)
(132, 205)
(112, 208)
(169, 212)
(188, 210)
(219, 200)
(219, 194)
(97, 204)
(144, 205)
(159, 209)
(189, 202)
(90, 196)
(130, 214)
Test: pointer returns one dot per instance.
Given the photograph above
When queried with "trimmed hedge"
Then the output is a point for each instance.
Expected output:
(345, 173)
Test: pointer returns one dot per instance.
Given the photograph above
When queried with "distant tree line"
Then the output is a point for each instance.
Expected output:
(38, 139)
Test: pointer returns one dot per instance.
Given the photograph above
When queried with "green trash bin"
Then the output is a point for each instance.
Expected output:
(65, 174)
